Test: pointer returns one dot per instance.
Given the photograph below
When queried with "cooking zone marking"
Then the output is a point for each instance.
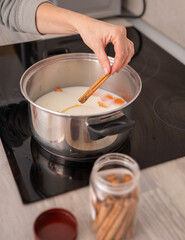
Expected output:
(170, 109)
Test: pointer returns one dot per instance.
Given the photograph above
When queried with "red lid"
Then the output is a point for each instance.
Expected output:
(55, 224)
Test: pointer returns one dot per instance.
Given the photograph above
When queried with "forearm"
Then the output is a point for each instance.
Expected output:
(52, 19)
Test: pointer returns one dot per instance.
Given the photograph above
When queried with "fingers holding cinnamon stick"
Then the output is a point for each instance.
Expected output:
(93, 88)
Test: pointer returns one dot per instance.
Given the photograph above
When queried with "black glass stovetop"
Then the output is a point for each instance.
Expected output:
(159, 114)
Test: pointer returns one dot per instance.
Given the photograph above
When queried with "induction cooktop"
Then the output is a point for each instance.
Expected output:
(158, 112)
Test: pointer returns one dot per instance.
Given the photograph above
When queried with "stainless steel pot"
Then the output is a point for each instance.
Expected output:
(78, 137)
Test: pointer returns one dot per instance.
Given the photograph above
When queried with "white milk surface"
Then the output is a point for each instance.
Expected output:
(66, 101)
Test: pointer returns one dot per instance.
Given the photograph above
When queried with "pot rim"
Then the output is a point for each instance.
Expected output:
(67, 57)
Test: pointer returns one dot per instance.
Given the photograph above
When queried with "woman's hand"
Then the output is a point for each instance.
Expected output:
(95, 33)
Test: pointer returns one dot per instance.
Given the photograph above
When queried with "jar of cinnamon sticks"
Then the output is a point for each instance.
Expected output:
(114, 194)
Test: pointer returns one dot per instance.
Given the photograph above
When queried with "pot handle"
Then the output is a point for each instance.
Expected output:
(122, 124)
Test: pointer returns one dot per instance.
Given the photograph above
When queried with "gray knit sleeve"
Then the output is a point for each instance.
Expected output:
(19, 15)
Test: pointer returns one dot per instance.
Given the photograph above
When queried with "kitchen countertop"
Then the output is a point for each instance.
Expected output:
(161, 213)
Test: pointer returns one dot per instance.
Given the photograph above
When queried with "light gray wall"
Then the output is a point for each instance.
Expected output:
(167, 16)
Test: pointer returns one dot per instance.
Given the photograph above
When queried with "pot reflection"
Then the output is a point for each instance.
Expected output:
(51, 175)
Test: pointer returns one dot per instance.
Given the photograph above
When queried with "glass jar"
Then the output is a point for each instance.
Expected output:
(114, 194)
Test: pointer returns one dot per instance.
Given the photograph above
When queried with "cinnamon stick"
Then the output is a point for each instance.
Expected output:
(108, 221)
(93, 88)
(121, 217)
(104, 209)
(112, 178)
(127, 221)
(127, 177)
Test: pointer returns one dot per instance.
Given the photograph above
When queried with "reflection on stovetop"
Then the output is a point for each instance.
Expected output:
(50, 177)
(158, 135)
